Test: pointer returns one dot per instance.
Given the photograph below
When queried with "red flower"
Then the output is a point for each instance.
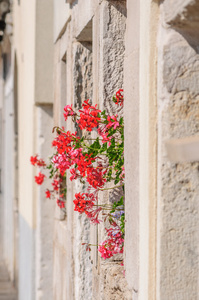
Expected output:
(120, 97)
(95, 177)
(89, 116)
(41, 163)
(33, 160)
(63, 142)
(56, 184)
(40, 178)
(68, 111)
(82, 205)
(114, 243)
(112, 122)
(48, 194)
(61, 203)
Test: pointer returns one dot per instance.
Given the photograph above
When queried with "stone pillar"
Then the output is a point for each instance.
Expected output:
(82, 90)
(131, 133)
(8, 175)
(63, 272)
(140, 113)
(45, 209)
(108, 66)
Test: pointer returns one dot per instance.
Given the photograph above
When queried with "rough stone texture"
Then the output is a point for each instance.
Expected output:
(111, 59)
(83, 83)
(113, 285)
(82, 261)
(178, 183)
(111, 63)
(82, 73)
(108, 51)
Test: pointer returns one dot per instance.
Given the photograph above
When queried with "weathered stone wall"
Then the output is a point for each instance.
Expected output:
(94, 47)
(160, 79)
(178, 213)
(108, 51)
(82, 90)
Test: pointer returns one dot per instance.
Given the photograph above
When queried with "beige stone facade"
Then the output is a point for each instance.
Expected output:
(60, 52)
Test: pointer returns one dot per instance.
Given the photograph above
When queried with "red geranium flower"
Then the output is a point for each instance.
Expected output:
(40, 178)
(48, 194)
(33, 160)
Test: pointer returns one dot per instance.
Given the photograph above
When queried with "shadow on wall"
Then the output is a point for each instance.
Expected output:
(72, 3)
(119, 5)
(187, 24)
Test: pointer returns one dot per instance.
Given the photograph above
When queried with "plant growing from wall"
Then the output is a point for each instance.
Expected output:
(94, 162)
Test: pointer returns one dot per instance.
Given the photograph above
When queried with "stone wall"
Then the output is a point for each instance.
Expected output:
(93, 44)
(178, 100)
(109, 23)
(149, 48)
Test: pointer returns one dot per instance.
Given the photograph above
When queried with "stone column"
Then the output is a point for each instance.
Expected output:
(63, 274)
(82, 90)
(45, 208)
(108, 66)
(140, 118)
(132, 147)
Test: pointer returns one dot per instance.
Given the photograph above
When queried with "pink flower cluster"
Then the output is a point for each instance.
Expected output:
(113, 245)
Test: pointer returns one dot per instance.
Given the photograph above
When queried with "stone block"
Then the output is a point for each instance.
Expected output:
(113, 285)
(184, 16)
